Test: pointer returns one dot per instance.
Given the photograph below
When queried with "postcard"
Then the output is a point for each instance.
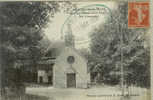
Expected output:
(76, 50)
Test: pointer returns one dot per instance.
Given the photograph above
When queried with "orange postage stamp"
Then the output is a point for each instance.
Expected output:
(138, 14)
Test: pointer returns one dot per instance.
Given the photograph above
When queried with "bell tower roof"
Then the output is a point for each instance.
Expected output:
(69, 37)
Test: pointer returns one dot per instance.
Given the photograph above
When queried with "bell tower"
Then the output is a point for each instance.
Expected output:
(69, 37)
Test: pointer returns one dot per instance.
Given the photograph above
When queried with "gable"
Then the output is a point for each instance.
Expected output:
(68, 52)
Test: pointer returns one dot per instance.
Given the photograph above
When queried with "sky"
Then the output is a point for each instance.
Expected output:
(81, 23)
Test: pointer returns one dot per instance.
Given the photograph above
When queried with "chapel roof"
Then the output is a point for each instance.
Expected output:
(59, 46)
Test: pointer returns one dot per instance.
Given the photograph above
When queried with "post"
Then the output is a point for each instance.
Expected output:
(122, 69)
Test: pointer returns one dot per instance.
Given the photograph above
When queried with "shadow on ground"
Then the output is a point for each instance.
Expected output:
(26, 97)
(35, 97)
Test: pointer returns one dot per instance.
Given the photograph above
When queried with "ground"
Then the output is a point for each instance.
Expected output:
(93, 93)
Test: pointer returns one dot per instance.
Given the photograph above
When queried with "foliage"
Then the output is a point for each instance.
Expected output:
(21, 29)
(106, 46)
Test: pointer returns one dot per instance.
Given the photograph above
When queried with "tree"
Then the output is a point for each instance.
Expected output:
(21, 28)
(106, 47)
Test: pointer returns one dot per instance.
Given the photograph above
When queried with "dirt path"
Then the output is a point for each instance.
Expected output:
(96, 93)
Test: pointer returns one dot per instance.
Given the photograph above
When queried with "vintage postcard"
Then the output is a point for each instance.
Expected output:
(76, 50)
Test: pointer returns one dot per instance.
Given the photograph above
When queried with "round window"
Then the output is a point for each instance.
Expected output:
(70, 59)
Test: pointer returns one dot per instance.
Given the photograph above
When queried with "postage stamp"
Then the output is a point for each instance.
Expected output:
(138, 14)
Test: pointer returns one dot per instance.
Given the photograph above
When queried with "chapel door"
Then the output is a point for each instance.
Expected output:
(71, 80)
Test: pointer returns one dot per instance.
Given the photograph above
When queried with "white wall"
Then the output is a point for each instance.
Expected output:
(62, 67)
(44, 75)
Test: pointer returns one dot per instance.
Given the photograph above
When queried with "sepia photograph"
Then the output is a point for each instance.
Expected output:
(75, 50)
